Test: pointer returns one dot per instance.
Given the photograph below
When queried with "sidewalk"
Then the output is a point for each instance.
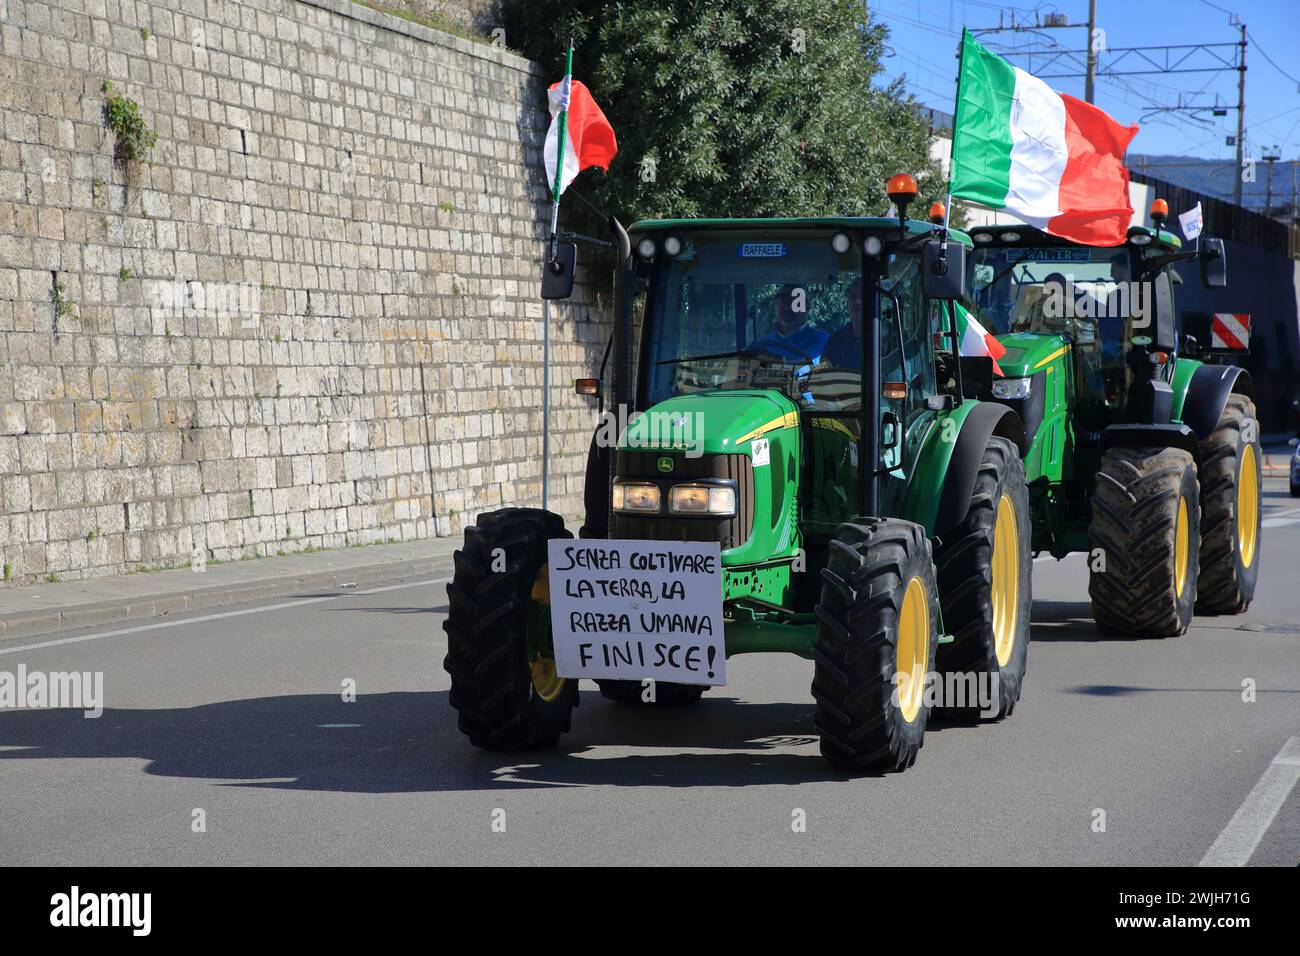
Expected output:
(47, 608)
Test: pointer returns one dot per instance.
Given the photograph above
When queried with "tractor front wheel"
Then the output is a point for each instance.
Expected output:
(504, 683)
(985, 574)
(877, 631)
(1146, 543)
(1230, 513)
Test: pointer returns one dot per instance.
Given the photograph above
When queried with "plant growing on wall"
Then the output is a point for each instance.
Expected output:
(63, 308)
(134, 137)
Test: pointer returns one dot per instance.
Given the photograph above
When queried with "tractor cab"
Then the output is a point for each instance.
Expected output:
(764, 319)
(1112, 306)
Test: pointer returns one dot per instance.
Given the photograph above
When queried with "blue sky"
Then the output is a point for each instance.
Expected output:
(924, 36)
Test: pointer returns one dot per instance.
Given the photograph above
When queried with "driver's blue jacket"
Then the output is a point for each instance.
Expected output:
(805, 342)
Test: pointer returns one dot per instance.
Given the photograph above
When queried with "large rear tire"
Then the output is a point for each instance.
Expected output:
(985, 577)
(1145, 535)
(877, 630)
(503, 680)
(1231, 477)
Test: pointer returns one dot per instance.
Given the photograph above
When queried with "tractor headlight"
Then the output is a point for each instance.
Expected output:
(646, 248)
(636, 497)
(1012, 387)
(702, 500)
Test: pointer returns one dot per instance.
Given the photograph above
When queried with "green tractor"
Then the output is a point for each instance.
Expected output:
(868, 514)
(1147, 460)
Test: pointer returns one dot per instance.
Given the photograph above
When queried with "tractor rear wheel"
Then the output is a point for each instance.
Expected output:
(985, 574)
(666, 693)
(504, 683)
(877, 630)
(1230, 513)
(1146, 542)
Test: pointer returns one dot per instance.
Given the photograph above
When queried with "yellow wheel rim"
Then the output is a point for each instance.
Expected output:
(547, 684)
(1180, 548)
(1006, 579)
(1248, 506)
(912, 653)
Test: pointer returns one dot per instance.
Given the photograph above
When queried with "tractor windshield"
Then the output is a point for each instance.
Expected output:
(1076, 291)
(784, 314)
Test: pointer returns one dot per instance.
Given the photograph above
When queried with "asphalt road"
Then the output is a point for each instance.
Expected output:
(240, 715)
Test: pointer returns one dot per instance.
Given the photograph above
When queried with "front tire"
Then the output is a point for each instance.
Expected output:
(1146, 544)
(877, 631)
(1231, 487)
(985, 577)
(499, 655)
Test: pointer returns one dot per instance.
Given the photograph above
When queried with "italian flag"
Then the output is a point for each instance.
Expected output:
(974, 339)
(580, 134)
(1052, 160)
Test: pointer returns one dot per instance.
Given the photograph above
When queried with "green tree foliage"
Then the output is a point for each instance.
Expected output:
(771, 108)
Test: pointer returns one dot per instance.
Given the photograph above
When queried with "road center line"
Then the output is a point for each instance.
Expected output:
(1237, 842)
(216, 617)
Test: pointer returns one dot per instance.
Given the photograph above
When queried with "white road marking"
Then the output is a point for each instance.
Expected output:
(1281, 519)
(1237, 842)
(1278, 522)
(215, 617)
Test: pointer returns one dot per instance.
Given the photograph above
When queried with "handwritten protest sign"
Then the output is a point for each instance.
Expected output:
(636, 609)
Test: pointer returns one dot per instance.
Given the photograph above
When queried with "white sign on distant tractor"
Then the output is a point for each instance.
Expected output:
(632, 610)
(1230, 330)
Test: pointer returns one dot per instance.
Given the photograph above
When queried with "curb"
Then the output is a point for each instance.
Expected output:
(73, 617)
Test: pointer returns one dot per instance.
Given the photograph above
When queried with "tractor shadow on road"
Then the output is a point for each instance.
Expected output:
(1072, 621)
(408, 742)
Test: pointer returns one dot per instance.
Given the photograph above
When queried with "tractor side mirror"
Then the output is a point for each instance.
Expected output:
(1214, 264)
(944, 277)
(557, 273)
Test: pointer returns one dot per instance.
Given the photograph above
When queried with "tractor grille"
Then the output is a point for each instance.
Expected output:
(728, 532)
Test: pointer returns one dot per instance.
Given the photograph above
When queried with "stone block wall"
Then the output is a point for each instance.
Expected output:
(310, 318)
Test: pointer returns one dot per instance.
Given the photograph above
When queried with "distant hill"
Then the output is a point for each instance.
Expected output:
(1215, 178)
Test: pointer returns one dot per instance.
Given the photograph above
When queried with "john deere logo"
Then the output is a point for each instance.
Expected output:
(665, 463)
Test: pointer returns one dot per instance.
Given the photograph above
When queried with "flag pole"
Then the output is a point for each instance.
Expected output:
(552, 248)
(952, 157)
(947, 216)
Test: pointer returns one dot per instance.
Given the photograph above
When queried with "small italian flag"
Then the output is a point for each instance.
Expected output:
(580, 134)
(1052, 160)
(974, 339)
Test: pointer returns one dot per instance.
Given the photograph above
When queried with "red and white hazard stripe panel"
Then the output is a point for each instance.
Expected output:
(1230, 330)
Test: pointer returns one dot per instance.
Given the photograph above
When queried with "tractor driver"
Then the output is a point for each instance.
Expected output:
(792, 336)
(844, 348)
